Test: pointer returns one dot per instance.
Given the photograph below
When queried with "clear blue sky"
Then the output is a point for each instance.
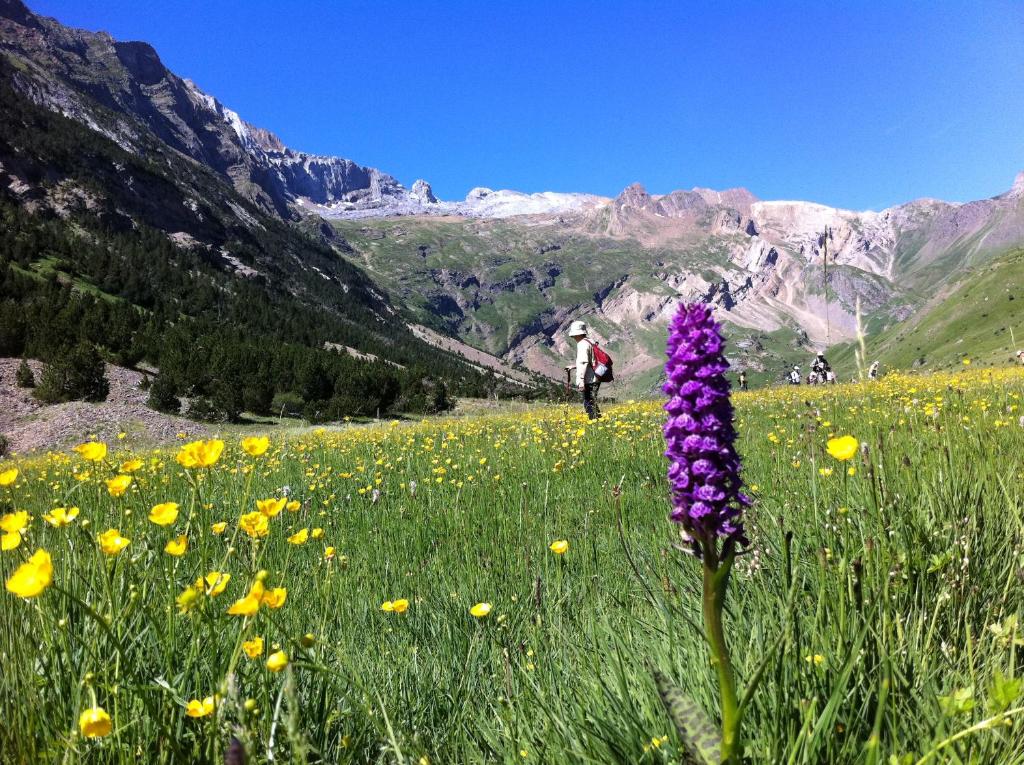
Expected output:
(858, 105)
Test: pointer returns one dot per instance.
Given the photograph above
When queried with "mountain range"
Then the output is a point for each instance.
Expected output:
(502, 271)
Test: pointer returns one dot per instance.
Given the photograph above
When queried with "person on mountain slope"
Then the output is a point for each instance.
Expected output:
(586, 381)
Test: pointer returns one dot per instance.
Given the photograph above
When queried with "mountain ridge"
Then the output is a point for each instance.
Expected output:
(505, 271)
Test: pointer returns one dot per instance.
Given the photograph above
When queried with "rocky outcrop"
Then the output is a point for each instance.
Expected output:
(120, 88)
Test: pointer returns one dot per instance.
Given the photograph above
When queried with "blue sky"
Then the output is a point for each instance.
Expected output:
(858, 104)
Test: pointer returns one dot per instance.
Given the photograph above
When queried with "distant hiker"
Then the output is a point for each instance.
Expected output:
(794, 375)
(873, 370)
(586, 381)
(743, 380)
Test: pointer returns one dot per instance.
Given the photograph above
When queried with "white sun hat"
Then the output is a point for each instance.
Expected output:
(577, 328)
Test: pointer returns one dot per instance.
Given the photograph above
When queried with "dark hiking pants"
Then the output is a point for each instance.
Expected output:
(590, 399)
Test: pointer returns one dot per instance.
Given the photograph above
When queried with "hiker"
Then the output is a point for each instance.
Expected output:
(586, 381)
(1020, 358)
(873, 371)
(743, 380)
(794, 375)
(820, 367)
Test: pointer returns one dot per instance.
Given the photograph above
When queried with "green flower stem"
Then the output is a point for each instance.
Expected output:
(716, 582)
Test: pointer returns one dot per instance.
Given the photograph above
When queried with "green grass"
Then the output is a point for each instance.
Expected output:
(905, 580)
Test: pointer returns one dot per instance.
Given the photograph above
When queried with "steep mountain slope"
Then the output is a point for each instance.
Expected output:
(124, 91)
(979, 319)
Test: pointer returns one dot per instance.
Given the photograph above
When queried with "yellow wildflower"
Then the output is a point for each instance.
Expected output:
(118, 485)
(177, 546)
(480, 610)
(255, 524)
(93, 451)
(299, 537)
(164, 514)
(399, 606)
(275, 598)
(253, 648)
(218, 527)
(197, 708)
(111, 541)
(214, 583)
(270, 507)
(94, 723)
(33, 576)
(200, 454)
(8, 477)
(255, 446)
(250, 604)
(277, 661)
(12, 522)
(61, 516)
(843, 448)
(559, 546)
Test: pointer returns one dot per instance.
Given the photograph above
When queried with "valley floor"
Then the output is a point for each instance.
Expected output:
(394, 593)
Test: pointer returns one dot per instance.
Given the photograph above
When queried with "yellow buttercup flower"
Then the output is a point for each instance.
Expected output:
(559, 546)
(60, 517)
(399, 606)
(299, 537)
(197, 708)
(218, 527)
(255, 446)
(277, 661)
(293, 506)
(329, 553)
(480, 610)
(189, 598)
(253, 648)
(94, 723)
(93, 451)
(8, 477)
(33, 576)
(131, 466)
(214, 583)
(255, 524)
(317, 533)
(200, 454)
(271, 507)
(177, 546)
(275, 597)
(11, 540)
(164, 514)
(11, 522)
(843, 448)
(118, 485)
(111, 541)
(250, 604)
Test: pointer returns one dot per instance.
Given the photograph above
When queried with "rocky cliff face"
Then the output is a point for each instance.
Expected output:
(119, 87)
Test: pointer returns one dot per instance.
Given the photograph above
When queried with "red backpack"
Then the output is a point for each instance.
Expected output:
(602, 364)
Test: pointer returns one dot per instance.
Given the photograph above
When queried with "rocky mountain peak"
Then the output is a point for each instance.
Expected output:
(18, 12)
(422, 193)
(634, 195)
(1017, 189)
(141, 60)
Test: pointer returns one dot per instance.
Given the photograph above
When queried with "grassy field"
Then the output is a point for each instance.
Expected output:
(899, 644)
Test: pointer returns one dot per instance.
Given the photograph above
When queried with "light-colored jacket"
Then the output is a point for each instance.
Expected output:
(584, 362)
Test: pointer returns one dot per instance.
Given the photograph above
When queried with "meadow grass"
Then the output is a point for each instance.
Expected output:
(880, 597)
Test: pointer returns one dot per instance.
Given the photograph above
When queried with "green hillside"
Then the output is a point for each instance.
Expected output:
(980, 319)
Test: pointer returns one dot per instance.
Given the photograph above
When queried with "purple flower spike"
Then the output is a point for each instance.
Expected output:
(704, 469)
